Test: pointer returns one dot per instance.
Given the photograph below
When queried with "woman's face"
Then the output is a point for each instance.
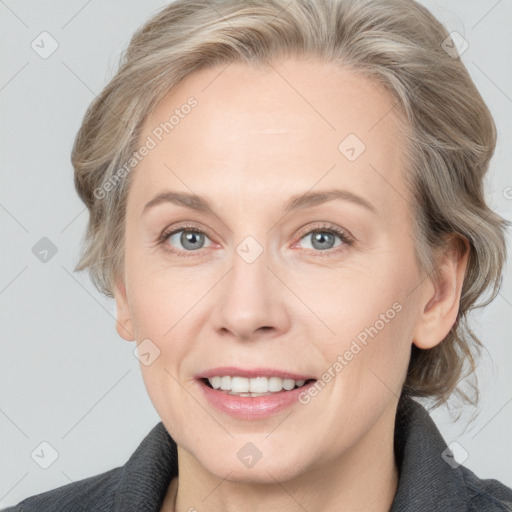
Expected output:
(282, 276)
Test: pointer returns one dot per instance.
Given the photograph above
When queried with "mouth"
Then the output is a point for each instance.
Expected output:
(252, 393)
(255, 386)
(252, 398)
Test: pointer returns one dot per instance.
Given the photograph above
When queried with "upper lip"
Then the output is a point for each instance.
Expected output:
(251, 373)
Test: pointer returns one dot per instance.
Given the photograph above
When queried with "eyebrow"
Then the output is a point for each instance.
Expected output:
(296, 202)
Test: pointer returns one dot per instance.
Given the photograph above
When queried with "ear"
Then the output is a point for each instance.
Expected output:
(441, 297)
(124, 325)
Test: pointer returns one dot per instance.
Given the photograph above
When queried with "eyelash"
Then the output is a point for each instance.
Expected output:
(325, 228)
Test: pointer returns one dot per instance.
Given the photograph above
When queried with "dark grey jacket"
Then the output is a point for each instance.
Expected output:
(429, 481)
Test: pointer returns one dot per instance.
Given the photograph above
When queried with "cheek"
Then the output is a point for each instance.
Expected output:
(372, 315)
(376, 336)
(160, 295)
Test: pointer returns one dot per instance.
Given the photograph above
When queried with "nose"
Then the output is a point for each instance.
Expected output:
(251, 302)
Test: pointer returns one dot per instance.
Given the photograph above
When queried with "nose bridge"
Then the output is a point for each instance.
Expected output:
(249, 300)
(248, 283)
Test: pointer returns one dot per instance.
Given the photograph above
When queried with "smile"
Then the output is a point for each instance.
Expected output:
(252, 394)
(256, 386)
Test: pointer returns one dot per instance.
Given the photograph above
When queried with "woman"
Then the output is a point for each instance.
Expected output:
(326, 158)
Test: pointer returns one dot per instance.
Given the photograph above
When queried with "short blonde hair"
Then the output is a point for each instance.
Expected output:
(396, 43)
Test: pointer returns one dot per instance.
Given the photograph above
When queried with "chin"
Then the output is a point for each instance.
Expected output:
(263, 470)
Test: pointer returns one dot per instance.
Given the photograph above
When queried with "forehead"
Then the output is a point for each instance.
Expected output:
(275, 130)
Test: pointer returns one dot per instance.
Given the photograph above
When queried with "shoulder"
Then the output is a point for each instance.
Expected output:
(140, 484)
(429, 477)
(93, 493)
(486, 495)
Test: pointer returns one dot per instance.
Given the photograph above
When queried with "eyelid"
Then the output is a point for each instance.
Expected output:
(327, 226)
(186, 226)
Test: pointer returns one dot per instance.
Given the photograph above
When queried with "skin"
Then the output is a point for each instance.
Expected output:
(257, 137)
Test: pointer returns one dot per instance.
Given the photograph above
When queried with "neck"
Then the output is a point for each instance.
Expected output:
(365, 478)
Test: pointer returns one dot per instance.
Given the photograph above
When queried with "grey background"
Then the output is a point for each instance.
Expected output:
(67, 378)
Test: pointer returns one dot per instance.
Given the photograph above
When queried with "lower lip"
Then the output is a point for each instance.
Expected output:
(251, 408)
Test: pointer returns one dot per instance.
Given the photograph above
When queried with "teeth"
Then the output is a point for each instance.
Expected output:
(275, 384)
(255, 386)
(239, 384)
(258, 385)
(215, 382)
(288, 384)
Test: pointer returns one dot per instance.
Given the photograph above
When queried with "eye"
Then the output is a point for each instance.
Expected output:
(323, 238)
(184, 239)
